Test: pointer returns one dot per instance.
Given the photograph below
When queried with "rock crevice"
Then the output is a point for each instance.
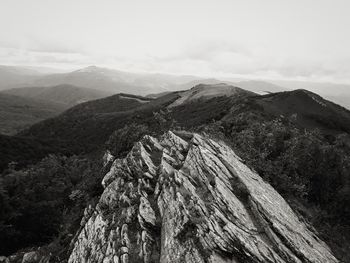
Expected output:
(191, 200)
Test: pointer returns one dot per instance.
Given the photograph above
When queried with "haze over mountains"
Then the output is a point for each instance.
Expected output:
(65, 94)
(110, 81)
(98, 78)
(16, 76)
(47, 94)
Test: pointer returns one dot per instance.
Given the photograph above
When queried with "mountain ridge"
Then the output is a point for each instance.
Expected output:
(306, 108)
(306, 166)
(113, 118)
(116, 81)
(193, 113)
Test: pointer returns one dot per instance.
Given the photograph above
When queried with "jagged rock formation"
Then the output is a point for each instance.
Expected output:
(191, 200)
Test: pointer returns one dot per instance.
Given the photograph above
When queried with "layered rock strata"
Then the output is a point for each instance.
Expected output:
(191, 200)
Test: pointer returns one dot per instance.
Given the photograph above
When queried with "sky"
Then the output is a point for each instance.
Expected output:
(279, 39)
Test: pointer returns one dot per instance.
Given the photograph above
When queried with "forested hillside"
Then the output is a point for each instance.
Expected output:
(303, 156)
(18, 113)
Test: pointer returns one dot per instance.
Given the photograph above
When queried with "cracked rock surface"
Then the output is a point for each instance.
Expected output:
(191, 200)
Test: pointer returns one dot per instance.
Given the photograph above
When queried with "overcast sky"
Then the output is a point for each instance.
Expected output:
(288, 39)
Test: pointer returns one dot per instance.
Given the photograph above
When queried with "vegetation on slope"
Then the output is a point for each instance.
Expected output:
(68, 95)
(308, 110)
(309, 167)
(25, 151)
(46, 202)
(307, 161)
(17, 113)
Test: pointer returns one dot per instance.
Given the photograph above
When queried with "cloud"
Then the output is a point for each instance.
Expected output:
(32, 57)
(37, 44)
(210, 59)
(236, 59)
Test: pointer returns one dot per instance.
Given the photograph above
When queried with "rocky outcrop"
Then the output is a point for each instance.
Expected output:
(186, 198)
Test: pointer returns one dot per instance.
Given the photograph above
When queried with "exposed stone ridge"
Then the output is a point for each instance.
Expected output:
(193, 200)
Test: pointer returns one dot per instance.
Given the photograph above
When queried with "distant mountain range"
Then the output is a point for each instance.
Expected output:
(113, 81)
(46, 94)
(16, 76)
(97, 78)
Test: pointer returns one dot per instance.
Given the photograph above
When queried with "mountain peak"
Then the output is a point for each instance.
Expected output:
(90, 69)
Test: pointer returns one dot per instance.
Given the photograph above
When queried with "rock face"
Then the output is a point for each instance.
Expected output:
(191, 200)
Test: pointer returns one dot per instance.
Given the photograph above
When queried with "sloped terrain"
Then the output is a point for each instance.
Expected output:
(96, 120)
(65, 94)
(207, 91)
(335, 92)
(308, 110)
(309, 168)
(87, 126)
(112, 104)
(192, 200)
(24, 151)
(114, 81)
(18, 113)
